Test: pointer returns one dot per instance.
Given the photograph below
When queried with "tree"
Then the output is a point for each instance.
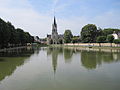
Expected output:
(117, 41)
(89, 33)
(22, 37)
(14, 38)
(68, 36)
(110, 39)
(60, 41)
(99, 32)
(4, 34)
(109, 31)
(75, 39)
(9, 36)
(101, 39)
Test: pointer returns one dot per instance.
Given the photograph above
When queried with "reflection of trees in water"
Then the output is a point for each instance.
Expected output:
(89, 59)
(68, 53)
(92, 59)
(12, 59)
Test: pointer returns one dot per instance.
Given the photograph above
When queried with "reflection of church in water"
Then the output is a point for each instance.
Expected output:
(56, 53)
(54, 38)
(89, 59)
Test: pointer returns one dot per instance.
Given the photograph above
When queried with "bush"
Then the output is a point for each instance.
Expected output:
(110, 38)
(101, 39)
(117, 41)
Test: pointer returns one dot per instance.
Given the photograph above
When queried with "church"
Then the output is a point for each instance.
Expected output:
(54, 38)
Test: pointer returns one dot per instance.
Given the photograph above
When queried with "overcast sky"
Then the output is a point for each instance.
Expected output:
(36, 16)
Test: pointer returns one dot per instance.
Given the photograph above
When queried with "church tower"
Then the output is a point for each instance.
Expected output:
(54, 32)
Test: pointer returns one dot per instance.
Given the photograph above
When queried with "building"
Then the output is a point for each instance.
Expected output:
(54, 38)
(36, 39)
(116, 35)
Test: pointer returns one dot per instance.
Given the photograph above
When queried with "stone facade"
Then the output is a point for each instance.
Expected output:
(54, 38)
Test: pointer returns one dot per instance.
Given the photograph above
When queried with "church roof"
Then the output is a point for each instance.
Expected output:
(55, 21)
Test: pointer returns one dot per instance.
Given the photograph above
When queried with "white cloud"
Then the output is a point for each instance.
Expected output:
(75, 24)
(108, 19)
(55, 2)
(22, 15)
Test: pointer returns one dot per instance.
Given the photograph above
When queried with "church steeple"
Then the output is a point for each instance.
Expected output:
(54, 32)
(55, 24)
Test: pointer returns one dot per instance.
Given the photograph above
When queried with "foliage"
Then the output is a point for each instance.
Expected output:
(68, 36)
(117, 41)
(9, 36)
(60, 41)
(101, 39)
(4, 34)
(89, 33)
(110, 38)
(109, 31)
(76, 39)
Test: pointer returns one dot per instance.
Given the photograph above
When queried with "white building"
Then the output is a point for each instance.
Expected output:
(116, 35)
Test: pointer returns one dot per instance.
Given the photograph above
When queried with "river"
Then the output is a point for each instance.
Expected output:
(48, 68)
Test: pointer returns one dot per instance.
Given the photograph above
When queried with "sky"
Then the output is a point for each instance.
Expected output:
(36, 16)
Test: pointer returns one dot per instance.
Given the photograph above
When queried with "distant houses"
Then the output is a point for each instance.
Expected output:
(39, 40)
(116, 35)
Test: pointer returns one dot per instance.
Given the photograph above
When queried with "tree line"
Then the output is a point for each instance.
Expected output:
(91, 34)
(11, 37)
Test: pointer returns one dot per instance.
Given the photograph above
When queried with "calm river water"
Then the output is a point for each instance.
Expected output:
(48, 68)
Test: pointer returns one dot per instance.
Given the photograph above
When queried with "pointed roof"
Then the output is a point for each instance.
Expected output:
(55, 21)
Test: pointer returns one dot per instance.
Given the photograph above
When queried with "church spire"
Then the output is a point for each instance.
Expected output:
(55, 24)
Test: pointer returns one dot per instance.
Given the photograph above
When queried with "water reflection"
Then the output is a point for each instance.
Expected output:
(54, 53)
(11, 59)
(90, 59)
(68, 53)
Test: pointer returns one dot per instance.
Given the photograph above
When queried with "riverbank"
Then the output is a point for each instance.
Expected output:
(20, 47)
(6, 49)
(87, 48)
(95, 45)
(91, 45)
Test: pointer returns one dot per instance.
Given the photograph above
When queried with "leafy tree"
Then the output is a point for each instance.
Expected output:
(109, 31)
(22, 37)
(14, 38)
(51, 41)
(75, 39)
(117, 41)
(101, 39)
(60, 41)
(89, 33)
(28, 37)
(68, 36)
(110, 39)
(99, 32)
(4, 34)
(9, 36)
